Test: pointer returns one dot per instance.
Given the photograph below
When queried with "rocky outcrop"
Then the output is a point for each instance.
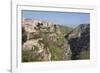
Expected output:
(32, 41)
(48, 41)
(40, 39)
(79, 40)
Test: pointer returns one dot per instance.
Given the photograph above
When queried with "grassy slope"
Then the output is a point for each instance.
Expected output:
(57, 52)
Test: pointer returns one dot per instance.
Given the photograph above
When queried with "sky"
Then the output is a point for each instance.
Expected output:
(64, 18)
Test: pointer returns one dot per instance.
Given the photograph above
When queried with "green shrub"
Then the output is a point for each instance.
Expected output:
(85, 54)
(56, 53)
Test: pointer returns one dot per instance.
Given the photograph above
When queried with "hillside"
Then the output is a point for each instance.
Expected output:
(79, 41)
(48, 41)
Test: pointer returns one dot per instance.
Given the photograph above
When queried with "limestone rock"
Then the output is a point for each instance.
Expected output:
(41, 38)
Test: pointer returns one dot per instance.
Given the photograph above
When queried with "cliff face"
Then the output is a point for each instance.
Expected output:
(79, 42)
(43, 41)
